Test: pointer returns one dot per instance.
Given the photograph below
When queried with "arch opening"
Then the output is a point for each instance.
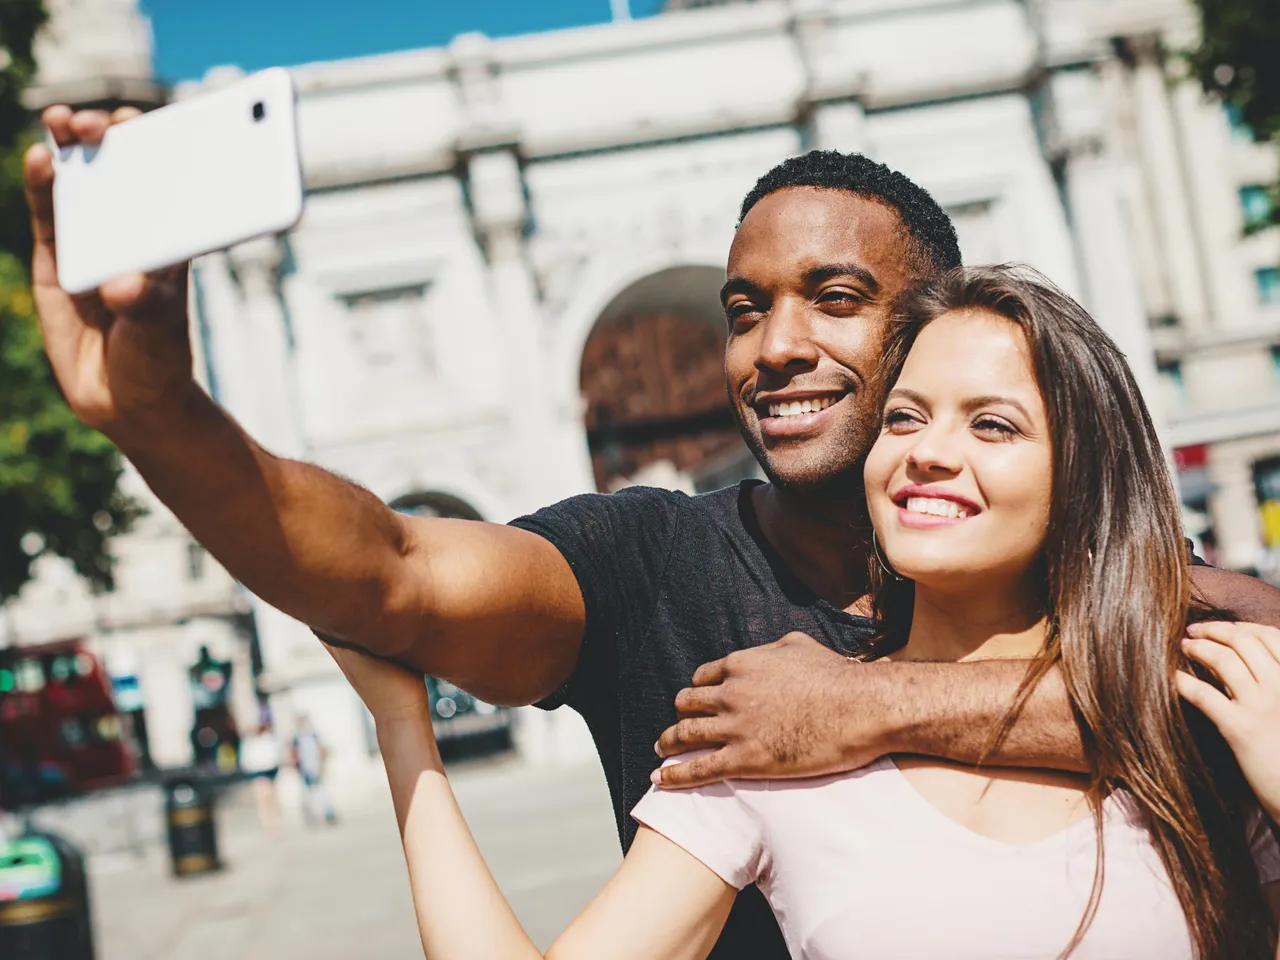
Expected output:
(652, 376)
(435, 504)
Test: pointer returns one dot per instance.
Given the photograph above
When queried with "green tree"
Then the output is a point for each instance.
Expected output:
(58, 479)
(1239, 60)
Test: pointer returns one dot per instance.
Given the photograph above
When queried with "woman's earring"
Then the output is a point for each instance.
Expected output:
(884, 564)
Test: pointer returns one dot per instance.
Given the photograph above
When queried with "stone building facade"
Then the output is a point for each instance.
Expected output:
(504, 288)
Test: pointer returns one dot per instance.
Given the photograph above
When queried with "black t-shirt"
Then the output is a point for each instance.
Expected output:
(671, 582)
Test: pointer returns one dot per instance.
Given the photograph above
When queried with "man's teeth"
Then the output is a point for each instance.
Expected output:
(800, 406)
(937, 507)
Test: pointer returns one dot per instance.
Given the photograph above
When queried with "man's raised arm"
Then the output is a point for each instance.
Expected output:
(493, 608)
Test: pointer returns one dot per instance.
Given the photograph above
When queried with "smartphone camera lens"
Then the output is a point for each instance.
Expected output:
(259, 111)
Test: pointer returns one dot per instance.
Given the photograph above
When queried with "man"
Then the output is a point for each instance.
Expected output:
(610, 603)
(309, 756)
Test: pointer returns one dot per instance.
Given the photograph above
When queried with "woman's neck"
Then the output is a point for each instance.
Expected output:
(981, 623)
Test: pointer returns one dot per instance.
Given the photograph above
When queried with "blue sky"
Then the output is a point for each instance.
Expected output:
(193, 35)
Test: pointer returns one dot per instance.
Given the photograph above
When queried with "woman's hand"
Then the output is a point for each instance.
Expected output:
(390, 692)
(1246, 658)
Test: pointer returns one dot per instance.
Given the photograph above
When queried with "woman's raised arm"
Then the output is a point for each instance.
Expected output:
(662, 904)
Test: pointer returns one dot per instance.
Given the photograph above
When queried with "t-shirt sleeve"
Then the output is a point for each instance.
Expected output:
(1195, 558)
(1266, 849)
(712, 823)
(618, 546)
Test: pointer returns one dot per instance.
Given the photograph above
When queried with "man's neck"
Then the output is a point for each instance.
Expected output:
(824, 538)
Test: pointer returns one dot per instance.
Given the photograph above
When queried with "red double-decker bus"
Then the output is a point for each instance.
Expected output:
(60, 732)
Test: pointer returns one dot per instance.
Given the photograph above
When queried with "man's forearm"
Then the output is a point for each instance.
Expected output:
(956, 710)
(312, 544)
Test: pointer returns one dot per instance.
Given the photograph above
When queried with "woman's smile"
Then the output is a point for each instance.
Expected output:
(927, 506)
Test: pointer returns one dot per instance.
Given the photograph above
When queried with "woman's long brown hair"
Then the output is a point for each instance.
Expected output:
(1117, 599)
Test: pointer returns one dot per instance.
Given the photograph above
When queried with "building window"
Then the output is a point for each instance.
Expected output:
(1266, 484)
(1173, 390)
(1257, 203)
(1239, 129)
(1267, 280)
(390, 326)
(195, 561)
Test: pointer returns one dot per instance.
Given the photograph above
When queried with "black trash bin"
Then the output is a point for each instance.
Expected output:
(44, 900)
(193, 831)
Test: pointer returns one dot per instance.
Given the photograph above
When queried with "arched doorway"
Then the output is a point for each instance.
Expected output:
(432, 504)
(464, 725)
(652, 376)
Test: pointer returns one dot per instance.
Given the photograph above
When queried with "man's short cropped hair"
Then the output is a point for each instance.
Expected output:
(933, 238)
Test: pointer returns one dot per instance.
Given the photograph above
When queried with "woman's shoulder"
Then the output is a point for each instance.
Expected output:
(731, 825)
(762, 795)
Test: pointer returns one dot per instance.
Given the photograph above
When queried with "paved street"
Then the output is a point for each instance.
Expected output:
(341, 893)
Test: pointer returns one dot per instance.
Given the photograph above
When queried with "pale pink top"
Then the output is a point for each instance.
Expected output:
(860, 866)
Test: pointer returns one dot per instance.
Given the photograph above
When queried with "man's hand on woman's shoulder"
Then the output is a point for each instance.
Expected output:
(788, 709)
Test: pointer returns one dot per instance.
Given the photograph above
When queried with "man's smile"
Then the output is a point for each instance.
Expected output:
(796, 413)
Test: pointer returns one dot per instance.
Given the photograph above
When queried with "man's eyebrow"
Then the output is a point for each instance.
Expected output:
(737, 285)
(832, 270)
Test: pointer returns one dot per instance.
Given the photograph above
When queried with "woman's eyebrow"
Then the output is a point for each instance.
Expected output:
(993, 400)
(970, 405)
(908, 394)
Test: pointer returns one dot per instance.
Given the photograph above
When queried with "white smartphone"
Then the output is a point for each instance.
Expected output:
(187, 179)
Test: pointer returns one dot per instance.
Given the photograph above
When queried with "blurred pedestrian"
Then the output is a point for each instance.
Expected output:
(260, 758)
(309, 756)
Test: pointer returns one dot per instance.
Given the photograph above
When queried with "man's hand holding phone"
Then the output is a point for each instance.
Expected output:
(122, 352)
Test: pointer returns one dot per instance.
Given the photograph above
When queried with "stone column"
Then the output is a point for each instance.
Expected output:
(841, 125)
(1234, 507)
(1113, 78)
(1161, 155)
(266, 390)
(549, 448)
(266, 331)
(831, 116)
(1106, 260)
(551, 442)
(1205, 137)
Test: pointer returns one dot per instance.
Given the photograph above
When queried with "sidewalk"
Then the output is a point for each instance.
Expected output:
(341, 893)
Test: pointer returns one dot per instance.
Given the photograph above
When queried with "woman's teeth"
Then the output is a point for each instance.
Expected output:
(800, 406)
(937, 507)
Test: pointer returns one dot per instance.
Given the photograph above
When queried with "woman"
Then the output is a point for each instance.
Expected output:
(260, 757)
(1022, 508)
